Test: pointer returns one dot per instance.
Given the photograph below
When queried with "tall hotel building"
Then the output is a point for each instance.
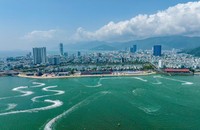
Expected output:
(61, 49)
(39, 55)
(157, 50)
(133, 49)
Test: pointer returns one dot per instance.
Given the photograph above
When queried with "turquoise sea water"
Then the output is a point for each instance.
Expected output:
(106, 103)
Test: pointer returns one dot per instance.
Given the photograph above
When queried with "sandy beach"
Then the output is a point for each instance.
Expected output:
(196, 73)
(141, 73)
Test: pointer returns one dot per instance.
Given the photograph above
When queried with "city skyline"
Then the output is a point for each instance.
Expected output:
(99, 64)
(24, 24)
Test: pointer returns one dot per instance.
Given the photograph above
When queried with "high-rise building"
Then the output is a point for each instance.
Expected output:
(61, 49)
(28, 55)
(79, 53)
(55, 60)
(99, 54)
(66, 54)
(123, 59)
(157, 50)
(133, 49)
(39, 55)
(160, 64)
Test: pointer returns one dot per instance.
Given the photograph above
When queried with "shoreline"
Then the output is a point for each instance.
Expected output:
(143, 73)
(196, 73)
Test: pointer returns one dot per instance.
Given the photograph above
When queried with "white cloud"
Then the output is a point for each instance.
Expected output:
(37, 35)
(182, 19)
(50, 38)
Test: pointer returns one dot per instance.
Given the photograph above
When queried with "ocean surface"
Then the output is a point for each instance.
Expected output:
(104, 103)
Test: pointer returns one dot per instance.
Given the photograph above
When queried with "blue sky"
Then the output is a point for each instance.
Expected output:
(58, 20)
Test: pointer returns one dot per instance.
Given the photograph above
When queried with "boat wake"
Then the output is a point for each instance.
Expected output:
(51, 123)
(95, 86)
(187, 83)
(157, 81)
(99, 84)
(37, 84)
(47, 89)
(141, 79)
(10, 106)
(24, 93)
(19, 89)
(181, 81)
(54, 103)
(138, 91)
(149, 110)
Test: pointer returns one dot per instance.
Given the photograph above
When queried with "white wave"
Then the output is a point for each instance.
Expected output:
(157, 76)
(10, 106)
(182, 81)
(105, 92)
(141, 79)
(95, 86)
(134, 92)
(34, 99)
(56, 103)
(99, 84)
(158, 83)
(4, 98)
(138, 91)
(37, 84)
(51, 123)
(114, 77)
(21, 87)
(18, 89)
(187, 83)
(149, 110)
(57, 92)
(25, 93)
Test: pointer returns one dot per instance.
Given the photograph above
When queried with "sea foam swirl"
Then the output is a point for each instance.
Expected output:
(47, 89)
(55, 103)
(24, 93)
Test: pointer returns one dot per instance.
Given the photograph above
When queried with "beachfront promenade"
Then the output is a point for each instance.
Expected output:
(50, 76)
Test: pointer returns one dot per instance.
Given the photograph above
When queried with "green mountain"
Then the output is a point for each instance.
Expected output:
(167, 42)
(195, 51)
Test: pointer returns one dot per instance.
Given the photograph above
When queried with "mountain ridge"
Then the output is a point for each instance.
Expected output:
(194, 51)
(167, 42)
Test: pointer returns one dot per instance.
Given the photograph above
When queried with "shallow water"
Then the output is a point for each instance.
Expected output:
(145, 102)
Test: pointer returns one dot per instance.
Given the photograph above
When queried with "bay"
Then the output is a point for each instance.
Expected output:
(101, 103)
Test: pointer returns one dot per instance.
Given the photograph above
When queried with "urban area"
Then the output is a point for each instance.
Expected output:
(128, 62)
